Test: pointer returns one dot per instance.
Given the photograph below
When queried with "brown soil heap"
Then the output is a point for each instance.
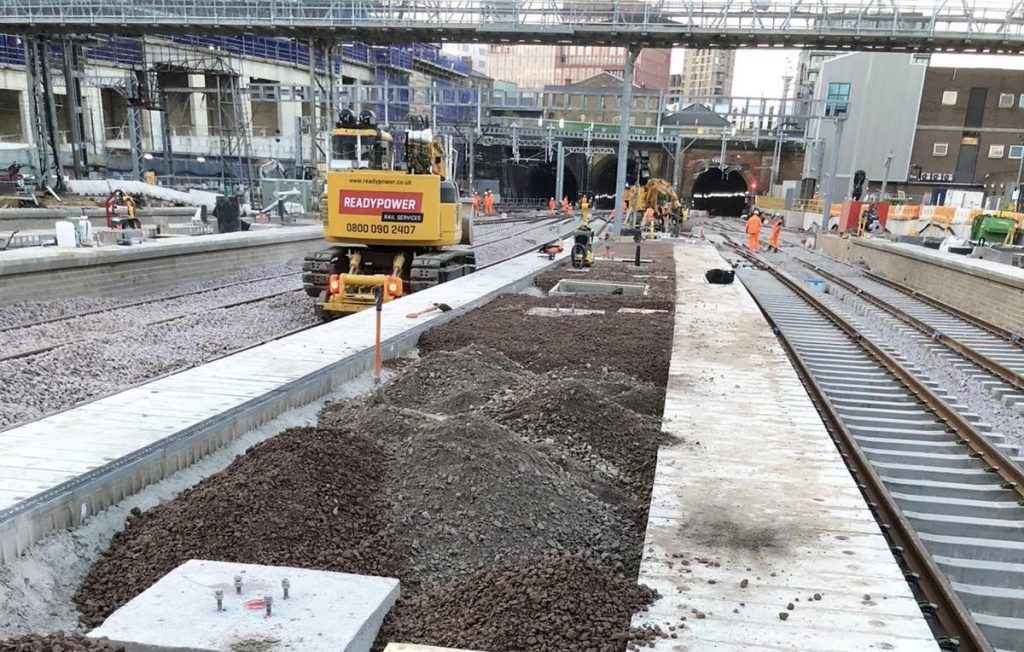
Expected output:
(307, 498)
(635, 344)
(59, 642)
(543, 605)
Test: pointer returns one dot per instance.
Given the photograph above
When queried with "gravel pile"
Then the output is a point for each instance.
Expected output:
(56, 643)
(307, 498)
(467, 494)
(111, 362)
(573, 417)
(641, 397)
(454, 382)
(637, 345)
(555, 605)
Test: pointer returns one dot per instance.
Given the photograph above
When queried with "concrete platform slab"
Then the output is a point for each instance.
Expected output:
(324, 611)
(755, 490)
(152, 267)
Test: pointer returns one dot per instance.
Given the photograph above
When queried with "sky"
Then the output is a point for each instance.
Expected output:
(759, 71)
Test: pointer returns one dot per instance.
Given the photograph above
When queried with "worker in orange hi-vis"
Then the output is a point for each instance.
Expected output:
(773, 237)
(565, 204)
(551, 205)
(476, 204)
(754, 232)
(489, 203)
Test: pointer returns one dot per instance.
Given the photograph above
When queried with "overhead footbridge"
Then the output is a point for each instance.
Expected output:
(892, 25)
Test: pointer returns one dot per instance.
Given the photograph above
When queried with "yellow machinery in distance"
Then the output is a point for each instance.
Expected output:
(393, 229)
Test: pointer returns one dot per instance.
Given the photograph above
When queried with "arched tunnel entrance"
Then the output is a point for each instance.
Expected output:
(534, 181)
(602, 180)
(720, 194)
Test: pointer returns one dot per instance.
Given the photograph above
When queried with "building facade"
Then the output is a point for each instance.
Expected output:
(706, 73)
(970, 132)
(880, 93)
(598, 100)
(211, 102)
(533, 67)
(474, 54)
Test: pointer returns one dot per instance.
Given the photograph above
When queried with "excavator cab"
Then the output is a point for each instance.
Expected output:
(393, 229)
(359, 143)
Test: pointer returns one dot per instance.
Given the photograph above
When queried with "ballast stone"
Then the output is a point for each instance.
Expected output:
(325, 611)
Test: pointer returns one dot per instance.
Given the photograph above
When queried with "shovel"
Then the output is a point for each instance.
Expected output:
(443, 307)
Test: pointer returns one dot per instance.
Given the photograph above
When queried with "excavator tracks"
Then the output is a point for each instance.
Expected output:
(428, 268)
(318, 266)
(432, 268)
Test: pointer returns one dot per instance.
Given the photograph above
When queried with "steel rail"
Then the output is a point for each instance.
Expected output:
(998, 331)
(79, 340)
(141, 302)
(954, 617)
(997, 461)
(995, 368)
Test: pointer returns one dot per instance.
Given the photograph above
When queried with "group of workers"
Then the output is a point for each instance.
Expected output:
(753, 229)
(488, 202)
(567, 207)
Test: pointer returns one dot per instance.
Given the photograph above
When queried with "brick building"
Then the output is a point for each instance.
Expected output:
(970, 130)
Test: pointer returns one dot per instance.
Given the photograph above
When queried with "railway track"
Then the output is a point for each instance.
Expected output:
(142, 302)
(993, 361)
(946, 492)
(544, 222)
(563, 231)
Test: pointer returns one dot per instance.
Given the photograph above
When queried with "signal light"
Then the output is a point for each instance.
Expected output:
(753, 185)
(335, 284)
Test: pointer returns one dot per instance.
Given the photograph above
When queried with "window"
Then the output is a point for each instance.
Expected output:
(949, 98)
(940, 149)
(1005, 100)
(996, 151)
(837, 101)
(1016, 152)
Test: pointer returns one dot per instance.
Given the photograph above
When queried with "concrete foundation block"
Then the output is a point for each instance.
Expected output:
(325, 612)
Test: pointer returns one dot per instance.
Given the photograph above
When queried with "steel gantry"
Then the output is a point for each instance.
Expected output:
(909, 25)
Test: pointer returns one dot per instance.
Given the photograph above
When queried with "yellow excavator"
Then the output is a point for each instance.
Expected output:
(393, 228)
(654, 193)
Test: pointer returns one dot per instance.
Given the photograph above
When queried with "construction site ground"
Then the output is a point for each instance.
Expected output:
(504, 474)
(482, 471)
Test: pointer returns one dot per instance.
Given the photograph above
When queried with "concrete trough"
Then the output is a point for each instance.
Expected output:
(574, 286)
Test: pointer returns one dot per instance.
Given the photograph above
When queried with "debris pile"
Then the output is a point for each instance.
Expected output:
(307, 497)
(59, 642)
(547, 604)
(467, 494)
(570, 416)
